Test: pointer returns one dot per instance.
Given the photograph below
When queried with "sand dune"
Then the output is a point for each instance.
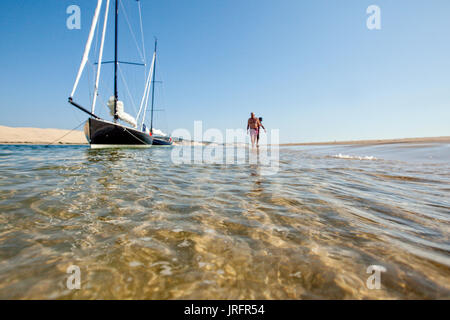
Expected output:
(10, 135)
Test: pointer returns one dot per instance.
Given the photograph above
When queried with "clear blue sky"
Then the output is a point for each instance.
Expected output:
(310, 68)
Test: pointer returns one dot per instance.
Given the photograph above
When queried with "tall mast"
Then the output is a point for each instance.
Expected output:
(116, 62)
(153, 88)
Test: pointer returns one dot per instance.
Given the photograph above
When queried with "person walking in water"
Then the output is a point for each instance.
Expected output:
(253, 125)
(259, 130)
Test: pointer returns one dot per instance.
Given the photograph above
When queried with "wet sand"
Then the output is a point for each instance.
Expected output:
(140, 226)
(373, 142)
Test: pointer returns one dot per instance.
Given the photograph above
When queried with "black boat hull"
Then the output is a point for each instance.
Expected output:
(162, 141)
(105, 134)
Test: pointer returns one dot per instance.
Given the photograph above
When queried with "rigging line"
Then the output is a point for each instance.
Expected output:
(96, 38)
(131, 30)
(89, 81)
(103, 84)
(146, 91)
(135, 136)
(103, 102)
(100, 57)
(162, 115)
(128, 90)
(67, 133)
(142, 36)
(87, 48)
(161, 77)
(162, 92)
(94, 71)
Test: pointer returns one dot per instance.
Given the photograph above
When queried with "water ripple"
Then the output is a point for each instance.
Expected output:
(141, 227)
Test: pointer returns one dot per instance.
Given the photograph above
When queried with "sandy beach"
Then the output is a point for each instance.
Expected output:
(11, 135)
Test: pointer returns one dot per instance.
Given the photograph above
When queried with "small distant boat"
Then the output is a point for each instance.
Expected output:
(102, 133)
(162, 141)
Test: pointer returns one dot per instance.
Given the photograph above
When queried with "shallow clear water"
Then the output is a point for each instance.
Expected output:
(139, 226)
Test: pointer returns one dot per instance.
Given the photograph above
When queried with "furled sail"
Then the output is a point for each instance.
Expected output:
(152, 70)
(100, 56)
(144, 100)
(120, 112)
(88, 46)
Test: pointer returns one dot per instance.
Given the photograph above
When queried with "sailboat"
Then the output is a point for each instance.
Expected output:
(100, 132)
(158, 140)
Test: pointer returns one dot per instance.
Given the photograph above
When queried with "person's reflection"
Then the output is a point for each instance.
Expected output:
(255, 172)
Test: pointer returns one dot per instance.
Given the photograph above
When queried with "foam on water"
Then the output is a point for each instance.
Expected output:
(345, 156)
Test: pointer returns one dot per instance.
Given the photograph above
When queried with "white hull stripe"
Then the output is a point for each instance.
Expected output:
(106, 146)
